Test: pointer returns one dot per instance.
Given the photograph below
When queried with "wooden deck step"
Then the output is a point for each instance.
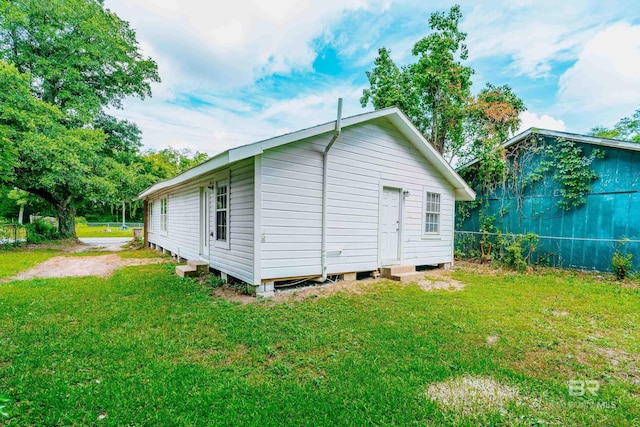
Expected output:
(186, 271)
(394, 270)
(412, 276)
(201, 266)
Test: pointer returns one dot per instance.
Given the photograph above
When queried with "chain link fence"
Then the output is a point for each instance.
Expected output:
(12, 233)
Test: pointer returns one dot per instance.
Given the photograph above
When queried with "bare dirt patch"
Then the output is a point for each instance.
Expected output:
(492, 340)
(437, 280)
(469, 395)
(230, 294)
(323, 290)
(65, 266)
(434, 280)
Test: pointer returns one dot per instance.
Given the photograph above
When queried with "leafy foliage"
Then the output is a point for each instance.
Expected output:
(627, 129)
(65, 61)
(81, 55)
(621, 263)
(53, 161)
(435, 92)
(40, 231)
(169, 162)
(571, 169)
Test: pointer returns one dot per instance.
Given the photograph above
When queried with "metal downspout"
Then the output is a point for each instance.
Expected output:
(325, 164)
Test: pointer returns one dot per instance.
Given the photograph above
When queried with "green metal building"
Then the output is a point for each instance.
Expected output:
(530, 201)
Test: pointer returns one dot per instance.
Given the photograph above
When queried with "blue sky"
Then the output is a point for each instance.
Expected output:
(246, 70)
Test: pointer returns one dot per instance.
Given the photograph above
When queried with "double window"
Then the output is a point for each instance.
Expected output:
(431, 213)
(163, 215)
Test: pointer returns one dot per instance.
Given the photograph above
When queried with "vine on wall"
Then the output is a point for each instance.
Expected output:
(509, 171)
(505, 173)
(571, 170)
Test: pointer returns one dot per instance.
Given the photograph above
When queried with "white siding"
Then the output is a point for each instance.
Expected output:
(292, 209)
(183, 220)
(183, 228)
(238, 259)
(364, 158)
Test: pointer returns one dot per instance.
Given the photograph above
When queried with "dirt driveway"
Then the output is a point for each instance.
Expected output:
(79, 266)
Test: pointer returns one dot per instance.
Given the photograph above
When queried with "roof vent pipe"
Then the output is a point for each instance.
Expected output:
(325, 164)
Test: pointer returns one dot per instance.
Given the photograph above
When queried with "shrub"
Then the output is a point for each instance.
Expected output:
(621, 264)
(41, 230)
(215, 281)
(515, 250)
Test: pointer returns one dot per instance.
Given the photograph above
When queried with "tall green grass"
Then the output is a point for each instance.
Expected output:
(146, 348)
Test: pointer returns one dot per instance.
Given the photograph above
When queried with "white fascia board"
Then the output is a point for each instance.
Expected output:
(208, 166)
(250, 150)
(463, 191)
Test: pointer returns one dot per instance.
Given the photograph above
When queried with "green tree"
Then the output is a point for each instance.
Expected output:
(21, 199)
(79, 58)
(7, 156)
(627, 129)
(492, 117)
(81, 55)
(60, 164)
(169, 162)
(435, 92)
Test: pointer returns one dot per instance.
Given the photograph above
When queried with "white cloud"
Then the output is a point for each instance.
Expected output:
(219, 51)
(542, 121)
(215, 129)
(535, 35)
(606, 74)
(230, 44)
(215, 49)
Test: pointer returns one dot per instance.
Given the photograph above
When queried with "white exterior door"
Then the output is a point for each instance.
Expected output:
(204, 222)
(390, 226)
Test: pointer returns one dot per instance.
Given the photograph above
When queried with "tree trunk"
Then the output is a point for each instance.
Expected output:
(21, 215)
(66, 219)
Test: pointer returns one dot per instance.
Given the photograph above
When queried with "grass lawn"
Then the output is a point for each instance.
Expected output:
(15, 260)
(83, 230)
(147, 348)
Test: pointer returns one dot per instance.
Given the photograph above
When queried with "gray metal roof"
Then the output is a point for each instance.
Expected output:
(393, 114)
(594, 140)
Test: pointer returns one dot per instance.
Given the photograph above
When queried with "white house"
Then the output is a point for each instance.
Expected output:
(352, 195)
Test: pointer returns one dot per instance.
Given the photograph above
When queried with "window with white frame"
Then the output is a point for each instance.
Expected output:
(431, 213)
(222, 213)
(163, 215)
(150, 217)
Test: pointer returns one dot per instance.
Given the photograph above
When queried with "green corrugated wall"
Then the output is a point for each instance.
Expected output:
(584, 237)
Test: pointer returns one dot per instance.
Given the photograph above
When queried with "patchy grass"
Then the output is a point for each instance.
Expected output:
(89, 253)
(142, 253)
(147, 348)
(14, 260)
(83, 230)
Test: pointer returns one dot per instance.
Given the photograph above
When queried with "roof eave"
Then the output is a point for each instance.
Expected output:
(397, 117)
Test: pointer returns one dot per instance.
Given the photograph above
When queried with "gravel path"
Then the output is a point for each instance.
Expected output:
(79, 266)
